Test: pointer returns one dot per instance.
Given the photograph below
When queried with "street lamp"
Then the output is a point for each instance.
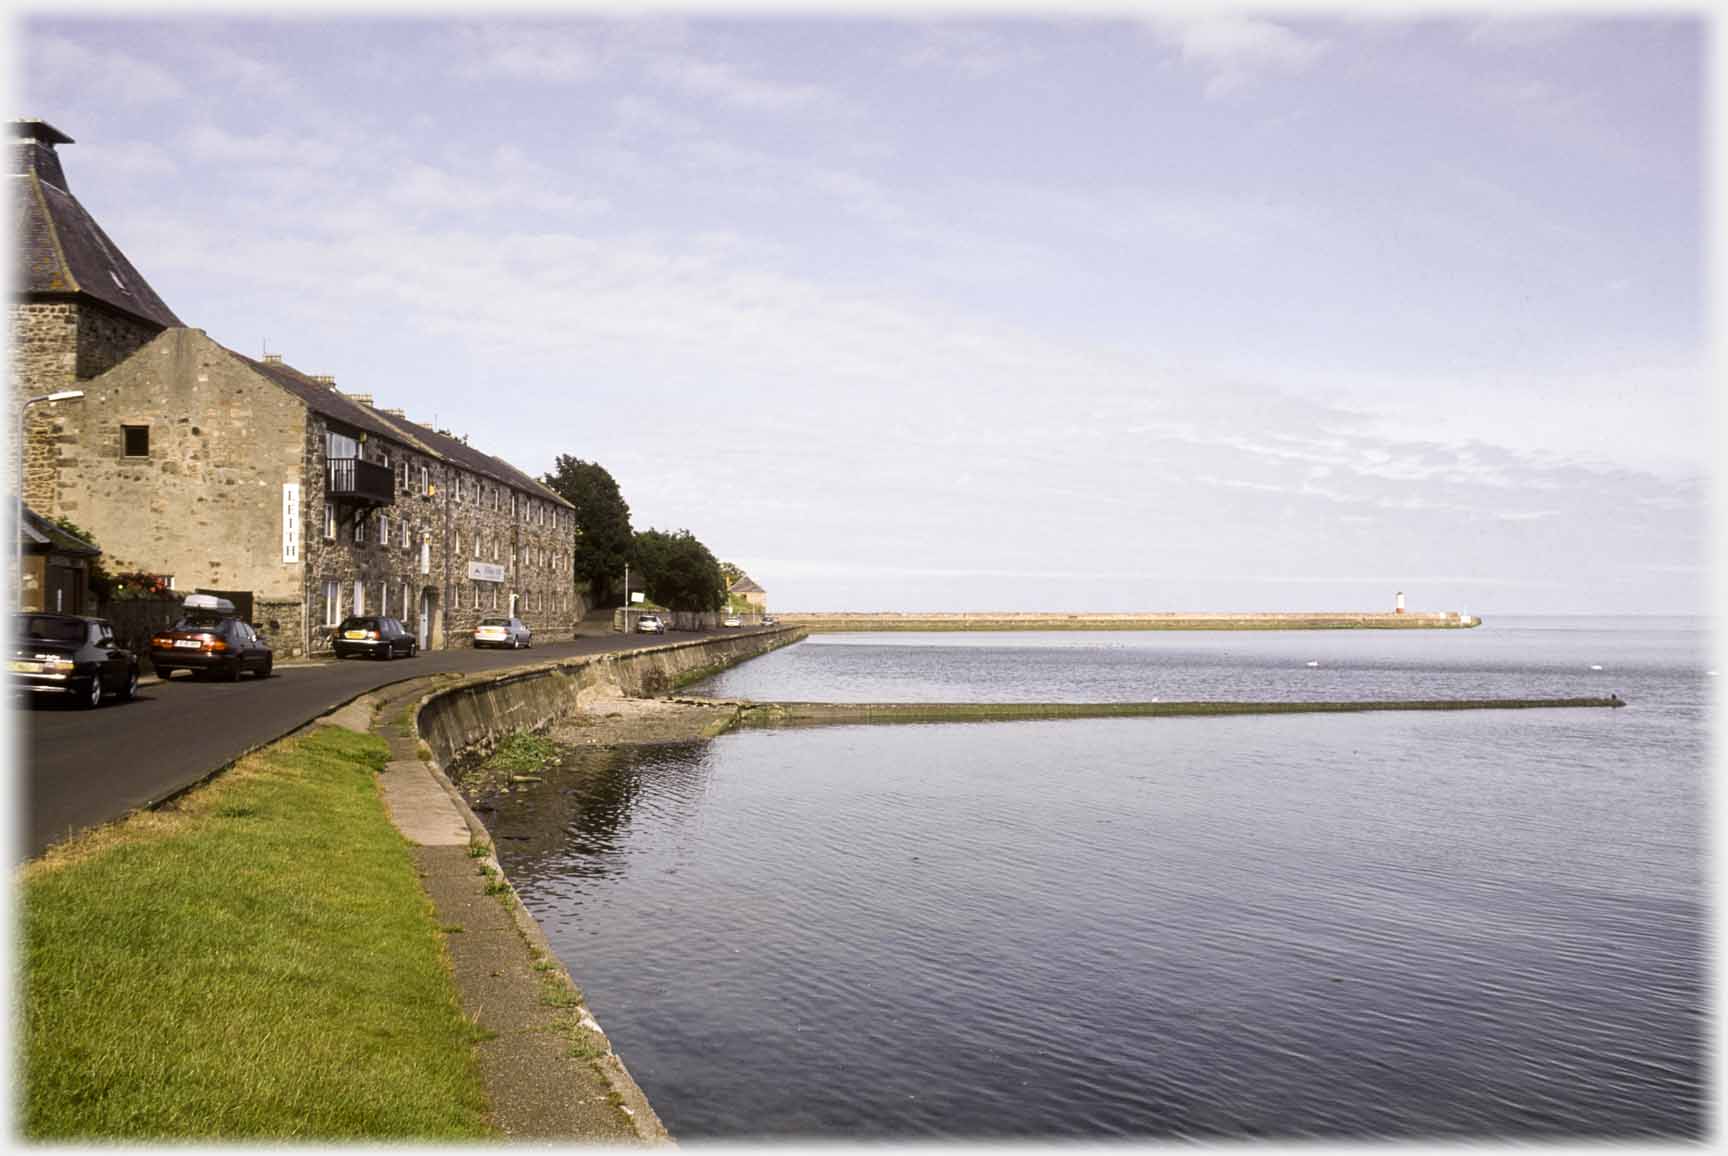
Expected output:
(62, 395)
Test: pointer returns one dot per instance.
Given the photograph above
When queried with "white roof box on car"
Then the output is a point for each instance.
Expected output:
(208, 602)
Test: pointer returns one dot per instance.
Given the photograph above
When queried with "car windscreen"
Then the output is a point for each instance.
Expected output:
(200, 622)
(51, 628)
(494, 622)
(361, 624)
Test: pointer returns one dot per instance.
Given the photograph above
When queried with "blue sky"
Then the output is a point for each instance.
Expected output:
(904, 312)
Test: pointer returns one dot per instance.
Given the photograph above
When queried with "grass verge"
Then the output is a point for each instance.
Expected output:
(258, 962)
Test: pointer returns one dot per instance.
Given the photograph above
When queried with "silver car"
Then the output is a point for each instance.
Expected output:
(503, 632)
(650, 624)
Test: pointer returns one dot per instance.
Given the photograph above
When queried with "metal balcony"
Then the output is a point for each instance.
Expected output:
(361, 482)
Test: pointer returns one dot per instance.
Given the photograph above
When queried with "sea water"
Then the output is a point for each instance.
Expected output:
(1457, 924)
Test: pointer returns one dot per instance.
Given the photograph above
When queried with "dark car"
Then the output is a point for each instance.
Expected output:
(511, 632)
(70, 656)
(211, 642)
(374, 636)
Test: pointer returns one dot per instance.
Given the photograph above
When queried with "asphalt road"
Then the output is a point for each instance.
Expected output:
(82, 768)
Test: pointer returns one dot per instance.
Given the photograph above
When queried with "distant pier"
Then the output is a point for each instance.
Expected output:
(838, 622)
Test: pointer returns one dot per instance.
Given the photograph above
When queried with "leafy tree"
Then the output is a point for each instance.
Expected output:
(730, 572)
(603, 538)
(678, 571)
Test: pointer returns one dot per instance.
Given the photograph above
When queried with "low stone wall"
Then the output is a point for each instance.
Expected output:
(473, 714)
(1342, 620)
(786, 714)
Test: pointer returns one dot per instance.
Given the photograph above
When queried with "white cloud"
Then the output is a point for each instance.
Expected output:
(1518, 30)
(1236, 49)
(208, 142)
(970, 52)
(723, 82)
(637, 115)
(134, 159)
(101, 74)
(534, 52)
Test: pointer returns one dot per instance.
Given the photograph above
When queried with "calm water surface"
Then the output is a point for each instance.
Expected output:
(1472, 924)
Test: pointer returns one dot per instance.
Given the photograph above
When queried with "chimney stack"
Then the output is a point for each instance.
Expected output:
(362, 398)
(395, 413)
(325, 380)
(33, 151)
(272, 359)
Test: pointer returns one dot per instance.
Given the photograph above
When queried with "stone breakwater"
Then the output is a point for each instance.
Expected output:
(778, 714)
(825, 622)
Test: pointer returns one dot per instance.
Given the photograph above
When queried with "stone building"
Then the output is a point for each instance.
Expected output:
(249, 477)
(747, 590)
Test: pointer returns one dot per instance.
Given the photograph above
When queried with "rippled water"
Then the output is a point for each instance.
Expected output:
(1379, 925)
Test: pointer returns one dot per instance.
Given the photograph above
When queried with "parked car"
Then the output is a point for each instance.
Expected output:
(374, 636)
(210, 639)
(731, 620)
(650, 624)
(770, 620)
(510, 632)
(71, 656)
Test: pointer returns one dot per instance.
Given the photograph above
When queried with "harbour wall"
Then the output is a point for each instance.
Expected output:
(826, 622)
(785, 714)
(472, 714)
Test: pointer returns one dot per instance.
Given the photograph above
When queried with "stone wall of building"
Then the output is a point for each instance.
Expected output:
(529, 537)
(56, 345)
(394, 573)
(205, 502)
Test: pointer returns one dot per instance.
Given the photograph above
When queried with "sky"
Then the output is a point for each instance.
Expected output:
(900, 311)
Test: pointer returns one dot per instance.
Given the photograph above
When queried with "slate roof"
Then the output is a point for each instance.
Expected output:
(334, 404)
(42, 536)
(746, 585)
(61, 248)
(469, 458)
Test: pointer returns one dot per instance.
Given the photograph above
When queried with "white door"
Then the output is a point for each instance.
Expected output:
(425, 620)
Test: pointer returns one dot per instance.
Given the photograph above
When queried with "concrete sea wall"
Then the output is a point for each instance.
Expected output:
(782, 714)
(473, 714)
(822, 622)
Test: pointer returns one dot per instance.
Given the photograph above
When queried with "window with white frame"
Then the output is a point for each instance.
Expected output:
(425, 482)
(332, 602)
(407, 542)
(359, 597)
(476, 588)
(359, 534)
(383, 598)
(407, 608)
(329, 521)
(383, 529)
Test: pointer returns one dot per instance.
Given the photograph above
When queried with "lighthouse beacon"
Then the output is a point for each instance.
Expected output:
(1399, 609)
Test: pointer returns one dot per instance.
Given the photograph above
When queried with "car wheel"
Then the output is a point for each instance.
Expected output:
(264, 671)
(92, 698)
(232, 674)
(131, 691)
(413, 650)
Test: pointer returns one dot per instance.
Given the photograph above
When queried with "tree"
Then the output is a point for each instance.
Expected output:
(730, 572)
(603, 539)
(678, 571)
